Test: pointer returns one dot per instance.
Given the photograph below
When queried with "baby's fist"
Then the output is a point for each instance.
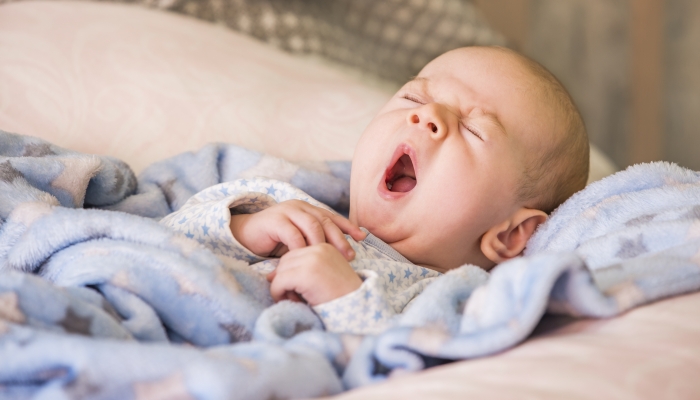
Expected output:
(317, 273)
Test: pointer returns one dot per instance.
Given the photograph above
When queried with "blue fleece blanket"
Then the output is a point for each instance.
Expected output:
(97, 300)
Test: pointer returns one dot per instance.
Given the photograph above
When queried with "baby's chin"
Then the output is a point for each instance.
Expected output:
(381, 229)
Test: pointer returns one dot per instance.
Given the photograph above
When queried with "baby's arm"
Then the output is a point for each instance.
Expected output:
(292, 225)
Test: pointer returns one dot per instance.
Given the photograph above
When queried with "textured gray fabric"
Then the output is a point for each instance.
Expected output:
(389, 39)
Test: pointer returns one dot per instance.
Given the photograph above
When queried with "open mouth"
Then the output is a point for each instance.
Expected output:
(401, 176)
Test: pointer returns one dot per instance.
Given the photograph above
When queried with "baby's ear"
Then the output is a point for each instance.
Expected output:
(508, 239)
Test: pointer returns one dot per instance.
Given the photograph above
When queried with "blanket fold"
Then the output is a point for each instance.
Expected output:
(99, 300)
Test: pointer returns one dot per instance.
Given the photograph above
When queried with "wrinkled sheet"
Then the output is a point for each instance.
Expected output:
(99, 300)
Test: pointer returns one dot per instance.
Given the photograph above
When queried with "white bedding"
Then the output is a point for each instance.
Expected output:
(144, 85)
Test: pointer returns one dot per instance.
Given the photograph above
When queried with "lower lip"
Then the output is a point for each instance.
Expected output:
(387, 194)
(384, 192)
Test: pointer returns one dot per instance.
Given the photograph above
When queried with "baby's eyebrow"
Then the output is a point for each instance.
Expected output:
(422, 82)
(418, 80)
(497, 122)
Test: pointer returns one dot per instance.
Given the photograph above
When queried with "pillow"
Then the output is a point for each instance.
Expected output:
(391, 39)
(143, 85)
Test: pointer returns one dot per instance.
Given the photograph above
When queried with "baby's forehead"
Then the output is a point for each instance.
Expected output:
(487, 56)
(476, 66)
(492, 73)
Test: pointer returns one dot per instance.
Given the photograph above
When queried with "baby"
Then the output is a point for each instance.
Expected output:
(459, 167)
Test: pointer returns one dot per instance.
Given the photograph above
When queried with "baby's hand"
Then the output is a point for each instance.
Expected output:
(315, 274)
(292, 225)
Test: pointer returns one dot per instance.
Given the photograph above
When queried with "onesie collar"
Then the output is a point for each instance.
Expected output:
(379, 245)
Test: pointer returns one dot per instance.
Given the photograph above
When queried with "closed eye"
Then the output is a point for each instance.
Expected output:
(474, 132)
(412, 98)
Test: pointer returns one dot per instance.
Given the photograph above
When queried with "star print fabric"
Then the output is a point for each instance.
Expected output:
(390, 281)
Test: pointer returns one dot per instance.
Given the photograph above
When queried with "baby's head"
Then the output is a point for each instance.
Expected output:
(468, 158)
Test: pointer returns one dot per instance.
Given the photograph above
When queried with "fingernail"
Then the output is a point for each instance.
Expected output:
(351, 254)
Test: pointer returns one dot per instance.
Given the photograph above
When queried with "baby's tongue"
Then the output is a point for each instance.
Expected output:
(403, 184)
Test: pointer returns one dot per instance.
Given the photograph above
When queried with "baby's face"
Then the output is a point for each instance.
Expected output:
(442, 161)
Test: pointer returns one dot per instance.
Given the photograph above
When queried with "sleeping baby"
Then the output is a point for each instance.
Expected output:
(459, 167)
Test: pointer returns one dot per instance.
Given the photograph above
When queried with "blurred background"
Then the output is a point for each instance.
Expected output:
(632, 66)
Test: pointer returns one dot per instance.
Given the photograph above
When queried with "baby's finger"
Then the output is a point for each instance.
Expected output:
(343, 223)
(348, 227)
(281, 284)
(279, 277)
(335, 237)
(309, 225)
(289, 234)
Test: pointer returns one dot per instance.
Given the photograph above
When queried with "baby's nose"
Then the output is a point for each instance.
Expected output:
(415, 119)
(428, 116)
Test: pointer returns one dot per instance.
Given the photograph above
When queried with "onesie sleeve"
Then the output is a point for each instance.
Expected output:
(383, 295)
(364, 311)
(206, 216)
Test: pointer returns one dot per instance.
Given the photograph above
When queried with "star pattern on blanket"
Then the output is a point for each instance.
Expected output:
(237, 332)
(9, 308)
(630, 248)
(169, 387)
(74, 178)
(75, 323)
(38, 150)
(185, 284)
(642, 219)
(8, 173)
(249, 364)
(693, 213)
(82, 387)
(119, 180)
